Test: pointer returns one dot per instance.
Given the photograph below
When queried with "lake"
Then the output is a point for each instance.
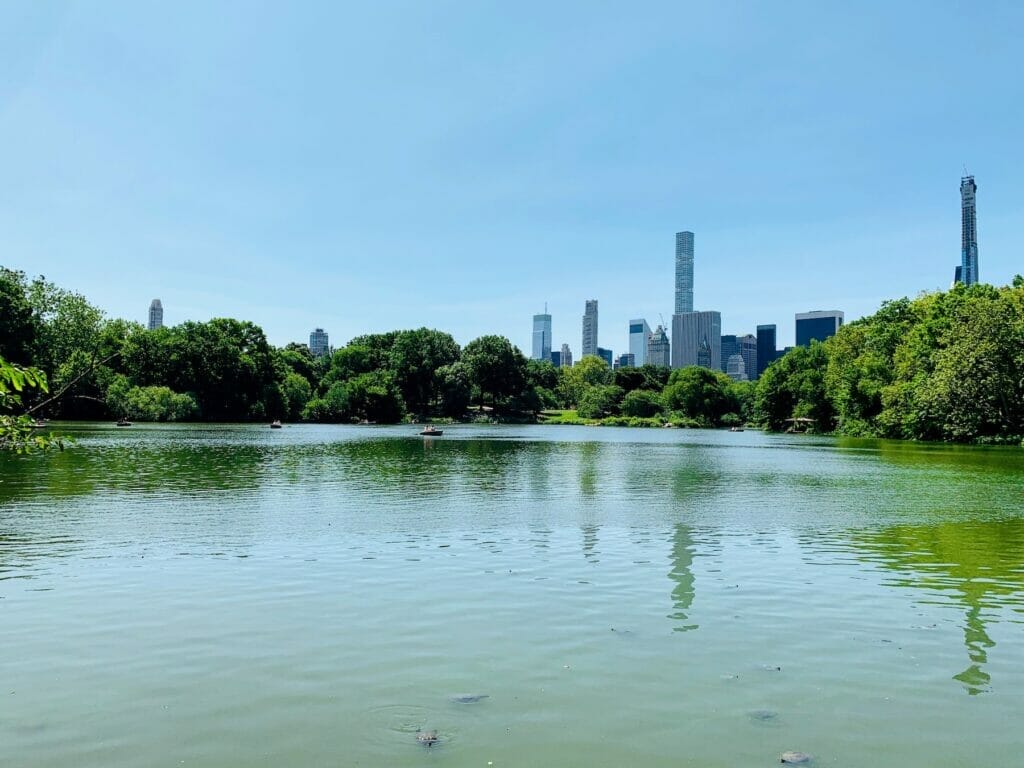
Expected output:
(232, 595)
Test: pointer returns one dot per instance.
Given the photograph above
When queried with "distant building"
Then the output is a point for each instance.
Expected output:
(556, 359)
(626, 360)
(748, 349)
(730, 347)
(156, 315)
(589, 346)
(318, 343)
(541, 337)
(697, 339)
(967, 272)
(684, 272)
(736, 368)
(817, 325)
(606, 355)
(766, 350)
(659, 351)
(566, 356)
(639, 333)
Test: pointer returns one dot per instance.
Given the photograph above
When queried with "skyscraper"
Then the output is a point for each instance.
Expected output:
(765, 347)
(736, 368)
(639, 333)
(156, 315)
(556, 358)
(589, 346)
(730, 347)
(748, 350)
(566, 359)
(658, 348)
(684, 272)
(967, 272)
(697, 339)
(627, 360)
(817, 325)
(542, 336)
(606, 355)
(318, 343)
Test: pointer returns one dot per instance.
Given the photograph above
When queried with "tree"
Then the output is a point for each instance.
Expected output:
(454, 386)
(651, 377)
(414, 358)
(496, 367)
(297, 392)
(642, 402)
(599, 401)
(794, 386)
(374, 397)
(17, 324)
(590, 371)
(17, 432)
(700, 393)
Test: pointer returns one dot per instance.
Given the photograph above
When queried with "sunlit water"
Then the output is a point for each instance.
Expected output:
(314, 596)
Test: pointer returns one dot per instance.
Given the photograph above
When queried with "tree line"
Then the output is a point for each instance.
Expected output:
(943, 366)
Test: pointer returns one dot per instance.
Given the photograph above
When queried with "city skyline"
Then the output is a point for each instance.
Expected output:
(814, 168)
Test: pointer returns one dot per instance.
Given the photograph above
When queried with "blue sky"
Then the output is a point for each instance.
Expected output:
(455, 165)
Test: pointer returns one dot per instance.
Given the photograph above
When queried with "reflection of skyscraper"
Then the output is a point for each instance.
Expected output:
(156, 315)
(589, 329)
(541, 337)
(684, 272)
(682, 574)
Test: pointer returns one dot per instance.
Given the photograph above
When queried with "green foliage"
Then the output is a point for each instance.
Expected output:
(454, 386)
(17, 324)
(591, 371)
(148, 403)
(17, 432)
(297, 392)
(651, 377)
(701, 394)
(414, 359)
(599, 401)
(496, 367)
(331, 408)
(944, 366)
(642, 402)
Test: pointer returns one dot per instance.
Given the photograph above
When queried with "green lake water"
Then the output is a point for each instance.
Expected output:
(223, 596)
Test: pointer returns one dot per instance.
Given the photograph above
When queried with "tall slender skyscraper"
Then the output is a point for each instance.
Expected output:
(542, 336)
(156, 315)
(566, 357)
(968, 270)
(684, 272)
(589, 346)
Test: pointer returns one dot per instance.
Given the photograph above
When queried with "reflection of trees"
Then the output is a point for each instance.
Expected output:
(683, 548)
(977, 564)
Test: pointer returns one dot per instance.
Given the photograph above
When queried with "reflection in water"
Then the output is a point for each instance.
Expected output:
(590, 542)
(683, 548)
(977, 565)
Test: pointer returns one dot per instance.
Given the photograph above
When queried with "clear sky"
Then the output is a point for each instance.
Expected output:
(372, 166)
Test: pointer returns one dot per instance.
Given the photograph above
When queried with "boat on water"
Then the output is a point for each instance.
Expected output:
(123, 423)
(39, 424)
(431, 431)
(276, 424)
(736, 429)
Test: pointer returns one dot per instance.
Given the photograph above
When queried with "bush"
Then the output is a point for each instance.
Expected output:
(641, 402)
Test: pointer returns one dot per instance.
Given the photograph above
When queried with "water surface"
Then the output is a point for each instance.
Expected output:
(235, 596)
